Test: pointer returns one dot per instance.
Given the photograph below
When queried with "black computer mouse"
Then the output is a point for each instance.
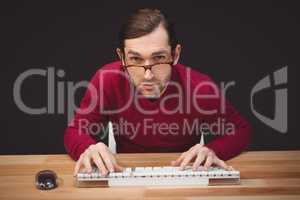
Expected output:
(46, 180)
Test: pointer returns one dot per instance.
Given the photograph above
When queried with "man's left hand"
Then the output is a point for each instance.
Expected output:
(201, 155)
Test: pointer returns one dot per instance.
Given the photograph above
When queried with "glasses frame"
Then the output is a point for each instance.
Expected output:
(146, 67)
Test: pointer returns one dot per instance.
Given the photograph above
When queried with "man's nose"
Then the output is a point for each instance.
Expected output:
(148, 74)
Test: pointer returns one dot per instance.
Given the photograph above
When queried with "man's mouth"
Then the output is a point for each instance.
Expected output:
(148, 86)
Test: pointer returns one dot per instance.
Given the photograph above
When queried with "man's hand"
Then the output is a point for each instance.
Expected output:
(99, 155)
(201, 155)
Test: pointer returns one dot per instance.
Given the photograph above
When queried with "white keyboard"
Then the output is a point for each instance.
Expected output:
(159, 176)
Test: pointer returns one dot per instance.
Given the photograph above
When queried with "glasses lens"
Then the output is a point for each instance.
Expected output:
(161, 68)
(156, 69)
(136, 70)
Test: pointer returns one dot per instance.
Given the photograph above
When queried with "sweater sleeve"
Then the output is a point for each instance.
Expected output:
(87, 120)
(236, 136)
(232, 143)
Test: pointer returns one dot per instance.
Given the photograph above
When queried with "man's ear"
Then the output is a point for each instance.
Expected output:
(176, 54)
(120, 55)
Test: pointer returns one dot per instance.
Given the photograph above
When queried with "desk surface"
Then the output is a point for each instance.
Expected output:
(264, 175)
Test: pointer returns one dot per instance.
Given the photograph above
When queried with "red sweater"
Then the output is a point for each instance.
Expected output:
(137, 131)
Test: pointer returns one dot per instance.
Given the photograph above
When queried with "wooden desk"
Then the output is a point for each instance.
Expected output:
(264, 175)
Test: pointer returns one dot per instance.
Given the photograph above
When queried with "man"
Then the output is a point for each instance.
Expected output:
(163, 105)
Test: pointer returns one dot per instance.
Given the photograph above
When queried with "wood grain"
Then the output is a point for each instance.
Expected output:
(264, 175)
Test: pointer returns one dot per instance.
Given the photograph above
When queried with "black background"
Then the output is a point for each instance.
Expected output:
(230, 41)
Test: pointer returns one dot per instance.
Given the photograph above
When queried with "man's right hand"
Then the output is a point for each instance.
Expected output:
(99, 155)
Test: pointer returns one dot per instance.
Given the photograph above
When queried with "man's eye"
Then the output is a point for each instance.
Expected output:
(135, 59)
(159, 58)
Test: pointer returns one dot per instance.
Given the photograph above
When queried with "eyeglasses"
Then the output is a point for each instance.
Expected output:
(155, 68)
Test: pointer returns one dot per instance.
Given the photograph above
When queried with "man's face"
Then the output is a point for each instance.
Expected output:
(147, 50)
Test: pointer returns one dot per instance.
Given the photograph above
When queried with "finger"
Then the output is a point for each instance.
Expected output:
(107, 160)
(182, 156)
(87, 163)
(200, 158)
(99, 163)
(187, 159)
(117, 167)
(222, 164)
(78, 165)
(208, 162)
(174, 163)
(178, 160)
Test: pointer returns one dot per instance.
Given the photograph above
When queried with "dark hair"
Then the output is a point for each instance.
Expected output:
(143, 22)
